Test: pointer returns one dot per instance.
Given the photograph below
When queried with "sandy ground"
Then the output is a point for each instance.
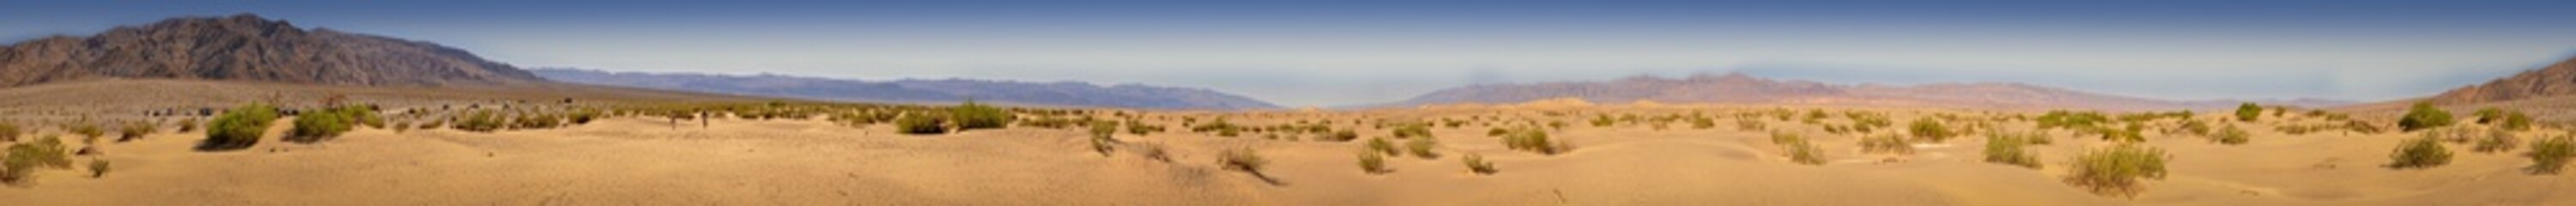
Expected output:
(640, 161)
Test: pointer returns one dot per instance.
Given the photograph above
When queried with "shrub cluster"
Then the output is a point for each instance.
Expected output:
(1477, 164)
(2007, 148)
(1931, 130)
(972, 116)
(1890, 144)
(1799, 149)
(135, 130)
(1534, 140)
(2117, 170)
(2419, 153)
(2496, 141)
(919, 123)
(2423, 116)
(1372, 162)
(2549, 155)
(24, 158)
(239, 127)
(479, 121)
(2231, 135)
(1421, 147)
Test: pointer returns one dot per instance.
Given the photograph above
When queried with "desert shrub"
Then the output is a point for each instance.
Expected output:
(2489, 115)
(1380, 145)
(2423, 116)
(2070, 120)
(2496, 141)
(9, 132)
(238, 128)
(2248, 112)
(1799, 150)
(1421, 147)
(1748, 124)
(2117, 170)
(25, 158)
(2548, 155)
(1703, 122)
(1497, 132)
(1533, 140)
(361, 115)
(432, 124)
(88, 131)
(1153, 151)
(1476, 163)
(1411, 130)
(1602, 120)
(2231, 135)
(1140, 128)
(1344, 135)
(918, 123)
(972, 116)
(1890, 144)
(1372, 162)
(98, 168)
(2419, 153)
(1931, 129)
(2007, 148)
(135, 130)
(1101, 137)
(583, 115)
(2195, 127)
(1241, 159)
(480, 121)
(187, 125)
(317, 126)
(539, 121)
(2516, 121)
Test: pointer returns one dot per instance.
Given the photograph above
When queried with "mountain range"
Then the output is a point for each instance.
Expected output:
(1738, 88)
(246, 47)
(1077, 94)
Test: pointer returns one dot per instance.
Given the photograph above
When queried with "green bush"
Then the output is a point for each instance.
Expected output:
(2516, 121)
(2419, 153)
(972, 116)
(1477, 164)
(1931, 129)
(317, 126)
(2007, 148)
(917, 123)
(1411, 130)
(480, 121)
(1890, 144)
(1372, 162)
(238, 128)
(2424, 116)
(2548, 155)
(2489, 115)
(2248, 112)
(2231, 135)
(2117, 170)
(1421, 147)
(25, 158)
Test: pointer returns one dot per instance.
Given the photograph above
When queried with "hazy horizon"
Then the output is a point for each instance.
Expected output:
(1345, 53)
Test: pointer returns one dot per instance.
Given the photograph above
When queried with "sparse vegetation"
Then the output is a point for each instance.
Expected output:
(2419, 153)
(1372, 162)
(25, 158)
(9, 132)
(1241, 159)
(917, 123)
(1101, 137)
(1476, 163)
(1931, 130)
(2549, 155)
(1344, 135)
(2248, 112)
(1411, 130)
(239, 128)
(479, 121)
(1380, 145)
(1798, 149)
(2007, 148)
(135, 130)
(1421, 147)
(316, 126)
(972, 116)
(1534, 140)
(98, 168)
(1890, 144)
(2117, 170)
(2496, 141)
(2231, 135)
(2423, 116)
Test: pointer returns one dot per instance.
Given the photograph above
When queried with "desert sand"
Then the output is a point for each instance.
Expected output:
(633, 160)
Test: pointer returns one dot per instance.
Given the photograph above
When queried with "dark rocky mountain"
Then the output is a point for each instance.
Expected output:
(2555, 80)
(1746, 89)
(920, 91)
(245, 47)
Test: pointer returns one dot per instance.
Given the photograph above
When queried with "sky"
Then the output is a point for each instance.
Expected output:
(1333, 53)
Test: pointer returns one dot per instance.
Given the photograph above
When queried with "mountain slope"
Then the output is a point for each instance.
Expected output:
(2555, 80)
(1746, 89)
(246, 47)
(920, 91)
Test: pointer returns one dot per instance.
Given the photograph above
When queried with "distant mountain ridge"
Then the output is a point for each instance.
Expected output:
(1737, 88)
(920, 91)
(2557, 79)
(247, 47)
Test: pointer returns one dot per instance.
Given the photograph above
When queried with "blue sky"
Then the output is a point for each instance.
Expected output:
(1353, 52)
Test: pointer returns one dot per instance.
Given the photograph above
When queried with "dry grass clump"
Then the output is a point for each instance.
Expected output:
(1101, 140)
(135, 130)
(1372, 162)
(2231, 135)
(2496, 141)
(2549, 155)
(1931, 129)
(1476, 163)
(2419, 153)
(2117, 170)
(1886, 143)
(98, 168)
(1241, 159)
(1534, 140)
(238, 128)
(1411, 130)
(1380, 145)
(88, 131)
(1798, 149)
(1421, 147)
(480, 121)
(2007, 148)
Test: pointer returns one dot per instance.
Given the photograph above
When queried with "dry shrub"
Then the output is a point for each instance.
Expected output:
(2117, 170)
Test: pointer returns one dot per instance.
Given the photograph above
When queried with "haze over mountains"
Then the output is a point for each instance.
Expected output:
(1746, 89)
(248, 48)
(921, 91)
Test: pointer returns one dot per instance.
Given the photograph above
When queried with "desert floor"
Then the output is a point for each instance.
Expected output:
(647, 161)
